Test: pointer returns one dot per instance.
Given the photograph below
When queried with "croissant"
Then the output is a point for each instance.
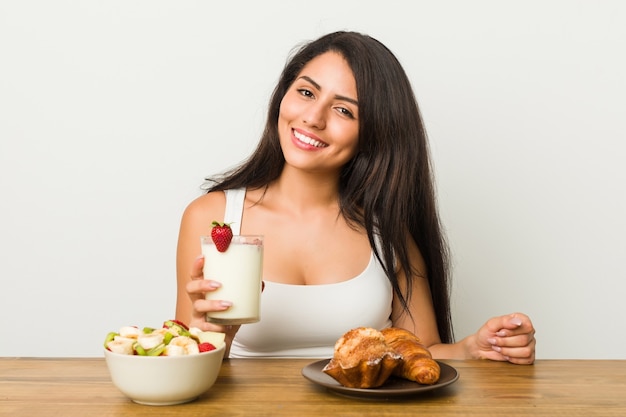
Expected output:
(417, 364)
(362, 359)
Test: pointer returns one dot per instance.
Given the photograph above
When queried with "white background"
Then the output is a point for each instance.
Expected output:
(113, 112)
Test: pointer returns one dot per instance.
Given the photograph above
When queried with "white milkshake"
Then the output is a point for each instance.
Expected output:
(239, 269)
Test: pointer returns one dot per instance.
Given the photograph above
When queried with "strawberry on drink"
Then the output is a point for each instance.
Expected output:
(222, 234)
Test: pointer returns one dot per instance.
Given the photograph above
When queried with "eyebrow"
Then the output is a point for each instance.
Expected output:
(319, 87)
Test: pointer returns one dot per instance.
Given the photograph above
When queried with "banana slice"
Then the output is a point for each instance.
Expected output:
(214, 338)
(122, 345)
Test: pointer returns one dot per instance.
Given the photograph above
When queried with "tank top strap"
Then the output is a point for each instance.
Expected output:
(234, 208)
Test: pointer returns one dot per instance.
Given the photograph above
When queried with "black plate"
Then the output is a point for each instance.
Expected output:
(393, 387)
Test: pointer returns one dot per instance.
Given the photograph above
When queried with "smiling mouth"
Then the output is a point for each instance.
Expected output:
(309, 141)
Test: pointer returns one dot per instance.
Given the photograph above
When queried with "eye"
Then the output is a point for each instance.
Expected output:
(345, 112)
(305, 92)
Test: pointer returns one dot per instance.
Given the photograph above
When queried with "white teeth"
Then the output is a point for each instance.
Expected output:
(308, 140)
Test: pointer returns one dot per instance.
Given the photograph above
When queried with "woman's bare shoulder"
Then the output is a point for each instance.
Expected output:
(208, 206)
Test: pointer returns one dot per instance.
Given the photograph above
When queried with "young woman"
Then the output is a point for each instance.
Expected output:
(341, 187)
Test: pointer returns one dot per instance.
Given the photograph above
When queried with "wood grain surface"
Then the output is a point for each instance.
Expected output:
(275, 387)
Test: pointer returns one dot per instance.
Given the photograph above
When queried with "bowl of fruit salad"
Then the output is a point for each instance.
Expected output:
(163, 366)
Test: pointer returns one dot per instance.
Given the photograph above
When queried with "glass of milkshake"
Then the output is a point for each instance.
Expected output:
(239, 269)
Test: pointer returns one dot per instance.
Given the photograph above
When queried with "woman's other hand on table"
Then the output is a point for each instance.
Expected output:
(506, 338)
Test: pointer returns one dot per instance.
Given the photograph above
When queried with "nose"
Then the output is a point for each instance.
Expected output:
(315, 115)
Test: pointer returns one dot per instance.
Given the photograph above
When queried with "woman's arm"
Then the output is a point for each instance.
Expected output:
(191, 306)
(505, 338)
(421, 321)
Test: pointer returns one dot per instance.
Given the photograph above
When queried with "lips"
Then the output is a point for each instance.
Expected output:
(308, 140)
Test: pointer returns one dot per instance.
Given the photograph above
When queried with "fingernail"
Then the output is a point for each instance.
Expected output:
(496, 348)
(491, 341)
(225, 303)
(214, 284)
(501, 333)
(516, 321)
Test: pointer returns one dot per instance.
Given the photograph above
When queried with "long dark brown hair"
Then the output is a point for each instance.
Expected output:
(387, 188)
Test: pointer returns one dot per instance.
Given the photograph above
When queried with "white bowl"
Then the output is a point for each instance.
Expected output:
(164, 380)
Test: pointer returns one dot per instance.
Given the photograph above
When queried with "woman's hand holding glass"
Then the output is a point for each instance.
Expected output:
(196, 289)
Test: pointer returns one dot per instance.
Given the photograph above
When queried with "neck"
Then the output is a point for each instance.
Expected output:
(305, 191)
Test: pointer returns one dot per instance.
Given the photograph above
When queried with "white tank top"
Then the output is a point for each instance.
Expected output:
(306, 320)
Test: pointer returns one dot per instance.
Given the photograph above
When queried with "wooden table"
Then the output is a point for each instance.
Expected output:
(275, 387)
